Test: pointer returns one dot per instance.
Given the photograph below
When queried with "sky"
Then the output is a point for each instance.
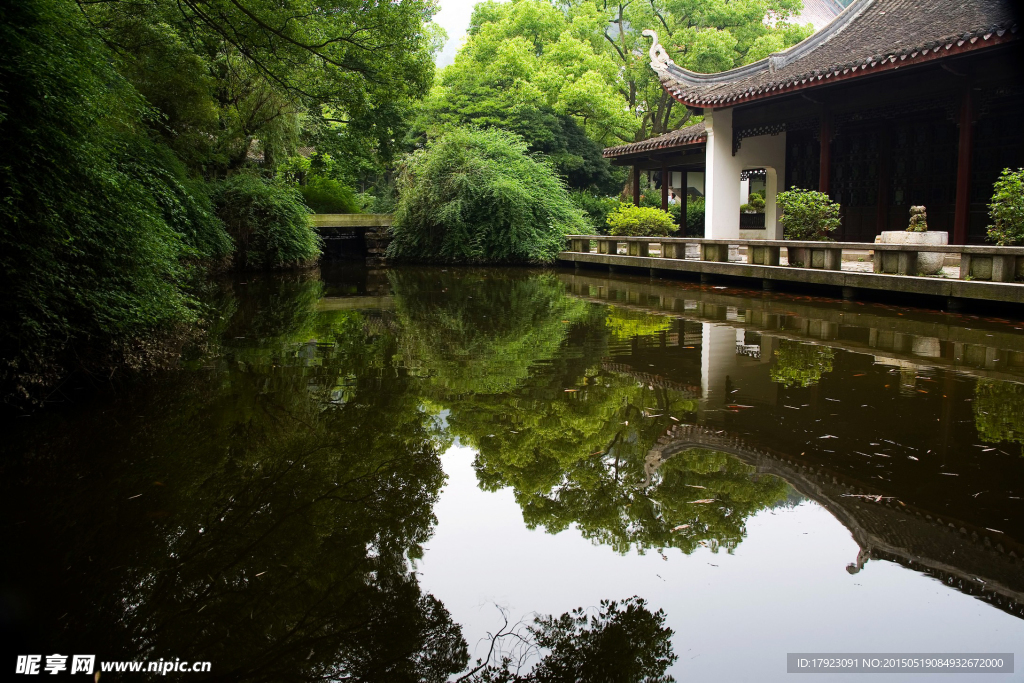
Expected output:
(454, 19)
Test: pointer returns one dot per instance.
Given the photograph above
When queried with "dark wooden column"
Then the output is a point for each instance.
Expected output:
(825, 160)
(664, 187)
(636, 185)
(962, 212)
(884, 179)
(683, 196)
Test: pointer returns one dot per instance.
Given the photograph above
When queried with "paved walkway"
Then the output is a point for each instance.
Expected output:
(864, 265)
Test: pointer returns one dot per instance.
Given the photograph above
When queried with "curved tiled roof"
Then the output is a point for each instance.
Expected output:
(690, 135)
(867, 37)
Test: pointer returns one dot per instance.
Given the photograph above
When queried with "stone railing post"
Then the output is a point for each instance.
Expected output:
(673, 250)
(714, 252)
(639, 248)
(763, 256)
(906, 263)
(833, 259)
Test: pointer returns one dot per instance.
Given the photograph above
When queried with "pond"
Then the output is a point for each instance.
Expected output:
(364, 475)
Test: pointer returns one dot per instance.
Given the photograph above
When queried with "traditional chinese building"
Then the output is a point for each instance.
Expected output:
(894, 103)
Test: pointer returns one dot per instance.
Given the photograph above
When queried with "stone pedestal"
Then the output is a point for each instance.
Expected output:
(927, 263)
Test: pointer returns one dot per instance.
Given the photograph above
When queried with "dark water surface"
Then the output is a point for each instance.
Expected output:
(365, 473)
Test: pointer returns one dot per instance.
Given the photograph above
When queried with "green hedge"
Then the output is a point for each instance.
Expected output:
(640, 221)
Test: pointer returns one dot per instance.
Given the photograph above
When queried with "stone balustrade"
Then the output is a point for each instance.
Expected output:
(977, 262)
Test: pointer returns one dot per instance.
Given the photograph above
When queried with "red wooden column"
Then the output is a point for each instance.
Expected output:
(664, 187)
(636, 185)
(962, 212)
(825, 160)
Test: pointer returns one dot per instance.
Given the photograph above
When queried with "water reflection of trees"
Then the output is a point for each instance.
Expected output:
(999, 411)
(802, 365)
(264, 509)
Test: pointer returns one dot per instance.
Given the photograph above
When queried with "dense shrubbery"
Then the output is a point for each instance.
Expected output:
(89, 256)
(476, 196)
(640, 221)
(808, 215)
(595, 208)
(694, 216)
(268, 221)
(317, 179)
(1007, 209)
(327, 195)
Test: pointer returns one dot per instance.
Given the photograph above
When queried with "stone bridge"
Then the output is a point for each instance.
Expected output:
(972, 560)
(354, 235)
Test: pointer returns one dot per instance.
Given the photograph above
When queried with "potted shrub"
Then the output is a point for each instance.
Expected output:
(807, 216)
(928, 263)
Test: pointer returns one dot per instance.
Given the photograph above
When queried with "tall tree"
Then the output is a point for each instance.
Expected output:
(227, 73)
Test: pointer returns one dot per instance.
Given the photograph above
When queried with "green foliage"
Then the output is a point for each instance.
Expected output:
(327, 195)
(528, 64)
(700, 36)
(801, 365)
(268, 221)
(317, 179)
(756, 202)
(999, 411)
(230, 78)
(308, 587)
(694, 216)
(476, 196)
(808, 215)
(89, 256)
(184, 202)
(595, 208)
(479, 338)
(1007, 209)
(624, 323)
(640, 221)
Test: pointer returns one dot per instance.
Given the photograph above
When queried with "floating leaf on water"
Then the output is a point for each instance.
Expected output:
(681, 526)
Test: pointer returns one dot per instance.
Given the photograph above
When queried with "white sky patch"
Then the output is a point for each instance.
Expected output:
(454, 19)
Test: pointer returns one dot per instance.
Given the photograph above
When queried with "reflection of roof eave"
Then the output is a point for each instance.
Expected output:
(826, 489)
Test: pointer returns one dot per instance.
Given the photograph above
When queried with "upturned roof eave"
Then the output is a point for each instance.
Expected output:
(867, 66)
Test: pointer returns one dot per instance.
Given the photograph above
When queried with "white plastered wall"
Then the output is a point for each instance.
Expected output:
(722, 179)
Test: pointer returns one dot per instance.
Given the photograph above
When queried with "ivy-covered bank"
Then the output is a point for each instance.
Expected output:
(143, 150)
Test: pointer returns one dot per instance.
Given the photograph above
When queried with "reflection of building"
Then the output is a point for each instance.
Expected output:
(971, 560)
(932, 339)
(891, 104)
